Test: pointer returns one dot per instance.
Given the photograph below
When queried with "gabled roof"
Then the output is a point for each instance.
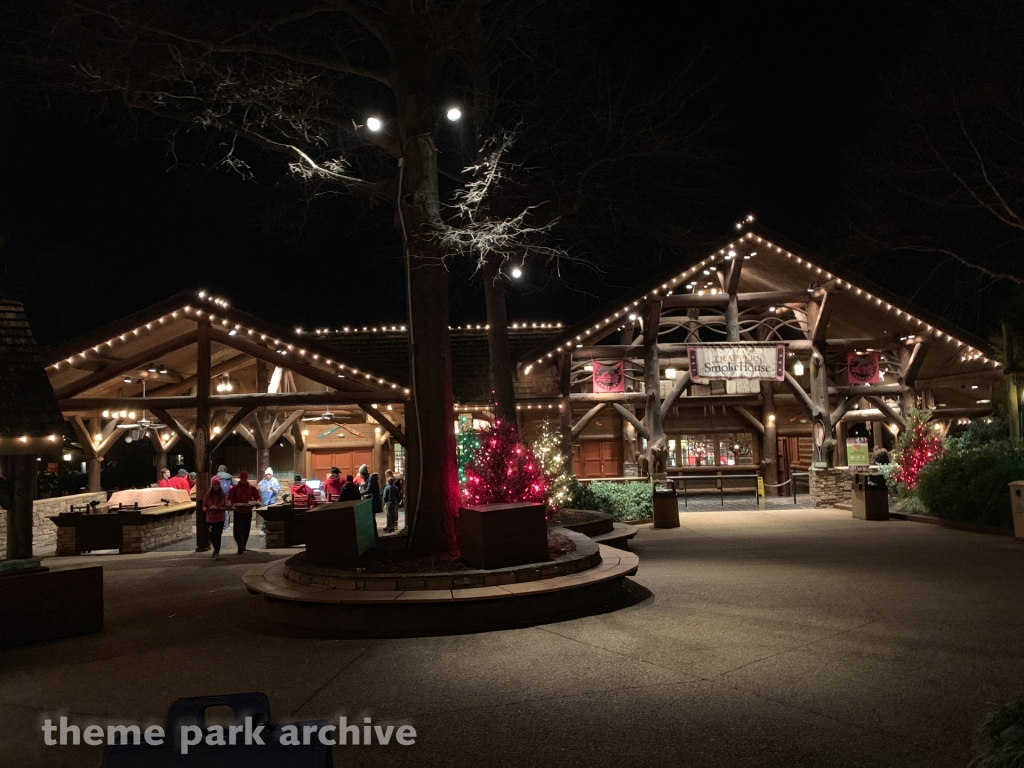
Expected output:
(163, 331)
(28, 408)
(769, 265)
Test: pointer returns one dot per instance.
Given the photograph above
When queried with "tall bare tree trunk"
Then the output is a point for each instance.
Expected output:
(503, 391)
(436, 492)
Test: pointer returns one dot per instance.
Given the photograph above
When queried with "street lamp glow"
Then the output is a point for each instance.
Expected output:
(374, 124)
(454, 114)
(517, 272)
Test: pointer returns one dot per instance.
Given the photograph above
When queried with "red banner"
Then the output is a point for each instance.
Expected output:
(609, 377)
(863, 368)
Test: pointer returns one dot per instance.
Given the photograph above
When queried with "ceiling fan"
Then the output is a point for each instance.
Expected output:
(143, 425)
(334, 418)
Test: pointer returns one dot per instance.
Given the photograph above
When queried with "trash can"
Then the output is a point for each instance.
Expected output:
(1017, 505)
(870, 496)
(666, 506)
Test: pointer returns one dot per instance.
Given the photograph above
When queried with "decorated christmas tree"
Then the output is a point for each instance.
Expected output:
(547, 447)
(503, 470)
(467, 443)
(917, 446)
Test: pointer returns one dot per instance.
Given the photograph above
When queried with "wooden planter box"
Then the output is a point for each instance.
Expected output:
(50, 605)
(501, 535)
(339, 531)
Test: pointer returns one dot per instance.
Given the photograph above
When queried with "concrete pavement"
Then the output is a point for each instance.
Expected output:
(777, 638)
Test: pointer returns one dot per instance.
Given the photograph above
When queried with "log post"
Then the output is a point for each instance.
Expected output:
(823, 439)
(565, 406)
(298, 450)
(769, 440)
(21, 477)
(657, 450)
(201, 436)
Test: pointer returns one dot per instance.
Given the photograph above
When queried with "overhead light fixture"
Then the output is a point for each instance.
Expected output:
(798, 368)
(454, 114)
(517, 272)
(127, 379)
(670, 372)
(374, 124)
(588, 368)
(67, 457)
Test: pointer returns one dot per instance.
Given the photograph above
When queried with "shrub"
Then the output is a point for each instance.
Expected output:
(1002, 738)
(973, 485)
(624, 501)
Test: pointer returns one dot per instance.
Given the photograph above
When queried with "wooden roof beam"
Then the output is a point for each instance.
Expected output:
(116, 368)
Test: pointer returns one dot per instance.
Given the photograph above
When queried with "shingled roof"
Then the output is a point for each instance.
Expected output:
(27, 405)
(471, 376)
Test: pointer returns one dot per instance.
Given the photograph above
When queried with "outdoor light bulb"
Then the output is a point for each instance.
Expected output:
(632, 315)
(798, 368)
(106, 414)
(390, 407)
(127, 379)
(123, 414)
(670, 372)
(67, 457)
(305, 431)
(454, 114)
(373, 124)
(588, 368)
(97, 437)
(131, 415)
(216, 430)
(517, 272)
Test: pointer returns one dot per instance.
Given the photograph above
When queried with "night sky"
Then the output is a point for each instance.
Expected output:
(95, 221)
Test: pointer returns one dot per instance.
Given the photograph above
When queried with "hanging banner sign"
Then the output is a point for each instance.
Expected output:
(863, 368)
(609, 377)
(722, 362)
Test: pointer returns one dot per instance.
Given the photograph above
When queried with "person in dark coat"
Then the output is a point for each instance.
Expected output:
(371, 491)
(349, 491)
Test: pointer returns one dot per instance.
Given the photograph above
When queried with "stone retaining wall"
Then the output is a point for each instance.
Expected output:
(830, 487)
(44, 533)
(136, 539)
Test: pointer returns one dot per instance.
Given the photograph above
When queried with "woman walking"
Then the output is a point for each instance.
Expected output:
(243, 498)
(215, 504)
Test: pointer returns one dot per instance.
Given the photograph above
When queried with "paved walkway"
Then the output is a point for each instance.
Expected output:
(777, 638)
(741, 502)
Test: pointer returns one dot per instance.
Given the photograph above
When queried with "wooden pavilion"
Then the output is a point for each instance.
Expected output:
(754, 290)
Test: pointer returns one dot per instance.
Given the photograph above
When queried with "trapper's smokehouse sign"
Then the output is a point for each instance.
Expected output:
(741, 361)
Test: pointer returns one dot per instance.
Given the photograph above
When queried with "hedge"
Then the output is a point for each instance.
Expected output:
(972, 485)
(624, 501)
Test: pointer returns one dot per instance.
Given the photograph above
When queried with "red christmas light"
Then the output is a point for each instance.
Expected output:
(504, 470)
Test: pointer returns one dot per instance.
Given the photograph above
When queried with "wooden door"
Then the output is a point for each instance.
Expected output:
(598, 458)
(347, 461)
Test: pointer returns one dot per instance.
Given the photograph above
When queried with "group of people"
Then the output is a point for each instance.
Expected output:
(226, 497)
(366, 485)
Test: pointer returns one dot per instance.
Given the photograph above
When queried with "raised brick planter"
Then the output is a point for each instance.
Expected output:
(831, 487)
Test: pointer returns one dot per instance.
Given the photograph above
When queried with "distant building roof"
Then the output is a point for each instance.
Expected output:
(27, 405)
(471, 375)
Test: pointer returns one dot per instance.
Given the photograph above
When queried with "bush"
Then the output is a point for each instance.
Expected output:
(1002, 738)
(972, 485)
(624, 501)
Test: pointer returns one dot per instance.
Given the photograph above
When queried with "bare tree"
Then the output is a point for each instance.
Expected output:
(946, 166)
(352, 94)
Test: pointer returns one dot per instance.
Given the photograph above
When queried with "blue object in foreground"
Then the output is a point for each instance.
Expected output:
(185, 740)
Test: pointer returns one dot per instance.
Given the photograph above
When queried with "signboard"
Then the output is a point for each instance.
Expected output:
(858, 456)
(724, 362)
(863, 368)
(609, 377)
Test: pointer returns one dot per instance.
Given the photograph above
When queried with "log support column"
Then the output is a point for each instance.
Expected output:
(657, 445)
(769, 440)
(201, 436)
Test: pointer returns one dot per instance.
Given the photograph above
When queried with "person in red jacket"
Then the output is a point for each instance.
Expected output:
(333, 484)
(215, 504)
(302, 494)
(180, 481)
(243, 498)
(165, 478)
